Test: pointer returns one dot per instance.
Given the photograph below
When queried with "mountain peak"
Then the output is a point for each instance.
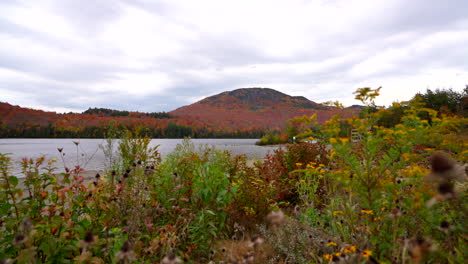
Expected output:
(259, 98)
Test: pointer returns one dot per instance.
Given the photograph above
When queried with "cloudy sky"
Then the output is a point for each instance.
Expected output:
(152, 55)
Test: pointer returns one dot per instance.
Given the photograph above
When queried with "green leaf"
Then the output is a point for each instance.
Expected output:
(13, 180)
(210, 212)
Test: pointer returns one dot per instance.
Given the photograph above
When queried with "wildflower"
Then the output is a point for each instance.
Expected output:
(331, 244)
(298, 164)
(338, 254)
(171, 259)
(338, 212)
(125, 254)
(369, 212)
(349, 249)
(366, 253)
(376, 219)
(328, 257)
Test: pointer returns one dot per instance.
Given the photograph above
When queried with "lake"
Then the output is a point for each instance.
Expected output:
(89, 155)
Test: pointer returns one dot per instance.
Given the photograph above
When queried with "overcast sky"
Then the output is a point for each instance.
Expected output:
(151, 55)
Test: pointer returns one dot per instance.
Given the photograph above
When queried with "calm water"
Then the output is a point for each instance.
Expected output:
(91, 157)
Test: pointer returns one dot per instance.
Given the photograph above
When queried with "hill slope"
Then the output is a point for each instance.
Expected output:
(246, 112)
(255, 107)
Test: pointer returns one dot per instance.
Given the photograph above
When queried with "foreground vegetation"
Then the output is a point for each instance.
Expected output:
(388, 195)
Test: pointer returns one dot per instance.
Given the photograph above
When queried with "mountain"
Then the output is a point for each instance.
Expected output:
(262, 108)
(356, 107)
(245, 112)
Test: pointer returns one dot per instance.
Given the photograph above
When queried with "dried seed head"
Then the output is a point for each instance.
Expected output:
(89, 237)
(335, 259)
(372, 260)
(125, 254)
(446, 169)
(5, 261)
(60, 150)
(445, 188)
(26, 225)
(171, 259)
(276, 218)
(445, 227)
(441, 163)
(97, 176)
(444, 224)
(19, 239)
(125, 247)
(418, 248)
(139, 162)
(396, 212)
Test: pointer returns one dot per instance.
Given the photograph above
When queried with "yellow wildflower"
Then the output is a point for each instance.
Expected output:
(298, 164)
(369, 212)
(377, 219)
(338, 254)
(302, 180)
(366, 253)
(338, 212)
(350, 249)
(331, 244)
(328, 257)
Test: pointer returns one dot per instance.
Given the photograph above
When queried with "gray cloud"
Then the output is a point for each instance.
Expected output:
(87, 61)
